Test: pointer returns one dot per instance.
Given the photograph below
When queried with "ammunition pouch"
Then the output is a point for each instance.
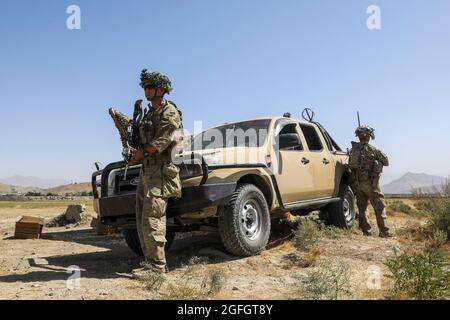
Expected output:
(377, 168)
(364, 175)
(354, 183)
(375, 181)
(376, 173)
(146, 132)
(171, 186)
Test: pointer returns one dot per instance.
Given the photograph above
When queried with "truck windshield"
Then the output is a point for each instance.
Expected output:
(240, 134)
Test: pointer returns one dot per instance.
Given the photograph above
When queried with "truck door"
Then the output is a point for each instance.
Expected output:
(293, 172)
(321, 160)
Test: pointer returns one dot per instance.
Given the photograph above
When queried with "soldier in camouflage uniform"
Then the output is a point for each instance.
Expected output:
(366, 163)
(160, 139)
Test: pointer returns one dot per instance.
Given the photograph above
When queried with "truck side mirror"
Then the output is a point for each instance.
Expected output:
(289, 140)
(98, 165)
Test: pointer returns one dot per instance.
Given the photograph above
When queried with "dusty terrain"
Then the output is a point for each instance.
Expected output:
(38, 269)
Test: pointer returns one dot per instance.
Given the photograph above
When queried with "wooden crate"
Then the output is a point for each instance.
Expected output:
(29, 228)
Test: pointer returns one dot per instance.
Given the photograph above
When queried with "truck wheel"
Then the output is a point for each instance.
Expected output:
(343, 213)
(132, 240)
(244, 224)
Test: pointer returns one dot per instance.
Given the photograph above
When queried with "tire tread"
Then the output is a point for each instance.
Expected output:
(229, 224)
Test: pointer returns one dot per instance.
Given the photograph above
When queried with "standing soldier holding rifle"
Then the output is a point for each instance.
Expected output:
(366, 163)
(159, 134)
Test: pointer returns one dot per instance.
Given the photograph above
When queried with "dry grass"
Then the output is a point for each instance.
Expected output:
(304, 260)
(400, 206)
(438, 239)
(153, 280)
(194, 285)
(43, 204)
(415, 232)
(329, 281)
(335, 232)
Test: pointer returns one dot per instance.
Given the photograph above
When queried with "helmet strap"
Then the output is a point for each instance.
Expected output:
(162, 96)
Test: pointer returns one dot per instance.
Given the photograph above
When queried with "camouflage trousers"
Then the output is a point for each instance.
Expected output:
(365, 192)
(151, 223)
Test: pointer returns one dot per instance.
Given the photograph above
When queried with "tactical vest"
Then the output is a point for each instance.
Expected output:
(148, 128)
(363, 162)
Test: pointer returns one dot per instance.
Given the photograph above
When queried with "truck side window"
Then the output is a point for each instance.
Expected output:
(312, 138)
(291, 129)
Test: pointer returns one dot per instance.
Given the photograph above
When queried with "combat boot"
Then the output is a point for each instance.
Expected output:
(146, 270)
(387, 234)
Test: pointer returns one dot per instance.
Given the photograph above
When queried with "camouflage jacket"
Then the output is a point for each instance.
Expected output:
(161, 128)
(366, 162)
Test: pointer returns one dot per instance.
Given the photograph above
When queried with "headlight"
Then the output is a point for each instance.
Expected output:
(190, 170)
(112, 183)
(211, 159)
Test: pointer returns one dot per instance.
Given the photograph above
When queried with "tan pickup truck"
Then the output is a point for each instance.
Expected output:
(239, 179)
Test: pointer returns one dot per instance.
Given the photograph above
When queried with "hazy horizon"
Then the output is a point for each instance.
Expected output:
(385, 180)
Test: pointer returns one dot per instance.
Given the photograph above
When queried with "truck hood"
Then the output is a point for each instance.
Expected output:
(236, 155)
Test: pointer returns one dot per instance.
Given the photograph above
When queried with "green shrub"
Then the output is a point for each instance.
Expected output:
(440, 216)
(327, 282)
(438, 239)
(421, 276)
(33, 194)
(425, 205)
(437, 205)
(194, 286)
(334, 232)
(306, 236)
(400, 206)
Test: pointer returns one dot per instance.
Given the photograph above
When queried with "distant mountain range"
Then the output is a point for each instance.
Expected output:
(21, 181)
(60, 190)
(405, 184)
(23, 184)
(410, 182)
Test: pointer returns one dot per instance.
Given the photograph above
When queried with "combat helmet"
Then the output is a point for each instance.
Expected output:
(155, 80)
(367, 130)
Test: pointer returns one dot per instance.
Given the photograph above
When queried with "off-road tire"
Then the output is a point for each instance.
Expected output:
(342, 214)
(132, 240)
(247, 208)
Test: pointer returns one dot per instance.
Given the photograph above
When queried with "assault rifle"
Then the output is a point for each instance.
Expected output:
(128, 131)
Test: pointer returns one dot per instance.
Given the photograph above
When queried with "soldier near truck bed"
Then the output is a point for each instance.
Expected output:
(366, 163)
(159, 134)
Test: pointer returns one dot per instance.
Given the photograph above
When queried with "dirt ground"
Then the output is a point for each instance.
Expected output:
(40, 269)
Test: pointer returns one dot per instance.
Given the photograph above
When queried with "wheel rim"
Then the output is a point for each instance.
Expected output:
(347, 209)
(250, 219)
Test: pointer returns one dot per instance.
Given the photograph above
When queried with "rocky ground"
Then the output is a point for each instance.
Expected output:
(200, 267)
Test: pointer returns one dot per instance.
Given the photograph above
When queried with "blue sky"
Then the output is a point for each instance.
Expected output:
(228, 60)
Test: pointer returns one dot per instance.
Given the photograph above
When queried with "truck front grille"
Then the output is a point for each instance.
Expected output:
(129, 184)
(131, 181)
